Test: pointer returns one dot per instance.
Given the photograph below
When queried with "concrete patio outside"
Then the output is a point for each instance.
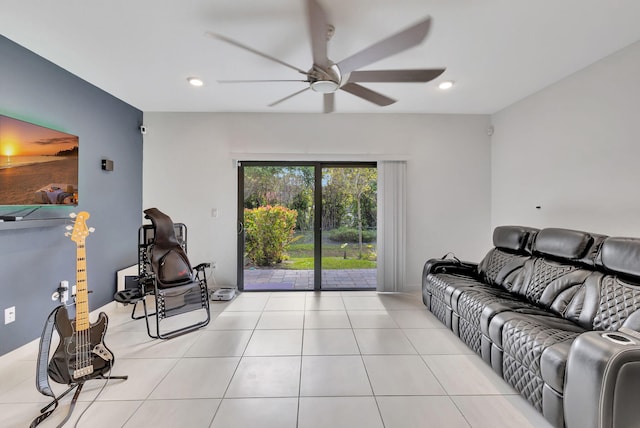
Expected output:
(283, 279)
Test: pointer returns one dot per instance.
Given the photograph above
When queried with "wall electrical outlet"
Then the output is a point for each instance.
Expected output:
(10, 315)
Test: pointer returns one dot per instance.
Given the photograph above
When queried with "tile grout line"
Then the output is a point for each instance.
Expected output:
(304, 316)
(235, 370)
(373, 393)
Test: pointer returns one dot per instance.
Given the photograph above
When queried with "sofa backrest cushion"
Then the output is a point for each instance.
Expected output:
(562, 243)
(621, 255)
(498, 267)
(514, 238)
(619, 290)
(512, 248)
(618, 304)
(568, 245)
(550, 283)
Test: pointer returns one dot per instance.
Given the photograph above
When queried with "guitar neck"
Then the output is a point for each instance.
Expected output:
(82, 294)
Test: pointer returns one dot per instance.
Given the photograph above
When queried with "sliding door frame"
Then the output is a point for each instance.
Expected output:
(317, 209)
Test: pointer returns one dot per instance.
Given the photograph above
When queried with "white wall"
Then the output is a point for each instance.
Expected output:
(573, 149)
(188, 171)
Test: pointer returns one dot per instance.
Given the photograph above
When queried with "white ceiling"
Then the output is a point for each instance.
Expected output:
(142, 51)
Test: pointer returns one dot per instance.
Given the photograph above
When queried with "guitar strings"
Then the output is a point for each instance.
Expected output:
(83, 357)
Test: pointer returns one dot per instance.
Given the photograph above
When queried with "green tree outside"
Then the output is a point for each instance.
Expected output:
(348, 200)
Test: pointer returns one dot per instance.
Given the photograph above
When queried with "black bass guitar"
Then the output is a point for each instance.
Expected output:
(81, 353)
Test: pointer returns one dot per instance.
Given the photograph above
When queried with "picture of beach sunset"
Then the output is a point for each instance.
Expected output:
(38, 165)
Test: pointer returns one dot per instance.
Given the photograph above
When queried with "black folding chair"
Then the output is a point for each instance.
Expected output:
(165, 274)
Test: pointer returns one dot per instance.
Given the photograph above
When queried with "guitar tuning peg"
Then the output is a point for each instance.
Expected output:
(67, 234)
(68, 227)
(92, 229)
(73, 215)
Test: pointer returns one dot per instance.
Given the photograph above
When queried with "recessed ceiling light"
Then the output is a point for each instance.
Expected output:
(194, 81)
(447, 84)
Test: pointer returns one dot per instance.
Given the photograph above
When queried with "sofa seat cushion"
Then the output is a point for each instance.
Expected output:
(475, 306)
(440, 286)
(533, 346)
(482, 291)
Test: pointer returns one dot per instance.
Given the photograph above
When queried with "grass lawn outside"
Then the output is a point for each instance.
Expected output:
(304, 263)
(335, 255)
(330, 249)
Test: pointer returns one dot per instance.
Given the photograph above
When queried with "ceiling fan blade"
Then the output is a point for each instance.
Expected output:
(289, 96)
(318, 27)
(260, 81)
(395, 75)
(399, 42)
(368, 94)
(247, 48)
(329, 102)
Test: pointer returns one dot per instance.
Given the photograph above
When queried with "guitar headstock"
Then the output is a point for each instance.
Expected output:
(80, 230)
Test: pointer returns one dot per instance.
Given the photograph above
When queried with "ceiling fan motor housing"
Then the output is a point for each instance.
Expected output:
(325, 81)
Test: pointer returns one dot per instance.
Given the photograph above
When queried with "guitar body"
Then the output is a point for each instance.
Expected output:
(79, 355)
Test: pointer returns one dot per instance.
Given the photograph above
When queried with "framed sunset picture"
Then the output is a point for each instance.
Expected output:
(38, 165)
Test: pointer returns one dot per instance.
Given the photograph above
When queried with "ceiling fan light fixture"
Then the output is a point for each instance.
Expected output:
(195, 81)
(447, 84)
(325, 86)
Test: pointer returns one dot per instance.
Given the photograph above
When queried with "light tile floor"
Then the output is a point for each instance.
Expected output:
(290, 359)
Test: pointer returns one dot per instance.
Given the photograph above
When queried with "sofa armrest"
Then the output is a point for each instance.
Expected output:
(450, 266)
(603, 374)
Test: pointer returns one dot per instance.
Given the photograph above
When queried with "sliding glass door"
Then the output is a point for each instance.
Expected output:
(349, 218)
(306, 226)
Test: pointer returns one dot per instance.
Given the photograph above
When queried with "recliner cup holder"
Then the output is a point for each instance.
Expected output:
(618, 338)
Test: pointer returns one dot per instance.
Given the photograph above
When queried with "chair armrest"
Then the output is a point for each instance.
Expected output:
(603, 374)
(201, 273)
(147, 282)
(202, 266)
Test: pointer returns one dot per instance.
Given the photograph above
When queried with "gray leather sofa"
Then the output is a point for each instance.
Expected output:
(555, 312)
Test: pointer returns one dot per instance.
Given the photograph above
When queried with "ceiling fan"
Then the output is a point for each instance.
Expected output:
(327, 77)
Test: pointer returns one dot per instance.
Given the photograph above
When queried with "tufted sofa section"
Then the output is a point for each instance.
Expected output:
(555, 312)
(442, 278)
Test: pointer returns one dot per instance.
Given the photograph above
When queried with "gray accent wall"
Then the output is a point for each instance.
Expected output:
(33, 260)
